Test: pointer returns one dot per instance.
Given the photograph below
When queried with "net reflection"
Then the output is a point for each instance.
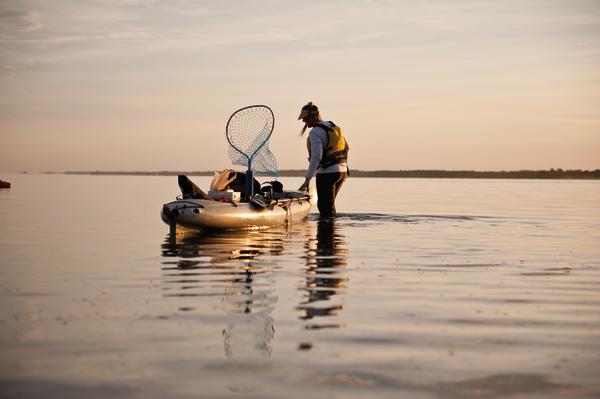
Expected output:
(325, 262)
(228, 267)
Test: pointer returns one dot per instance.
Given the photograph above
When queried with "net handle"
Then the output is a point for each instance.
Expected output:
(250, 157)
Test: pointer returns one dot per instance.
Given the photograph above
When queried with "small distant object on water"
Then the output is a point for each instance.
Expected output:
(4, 184)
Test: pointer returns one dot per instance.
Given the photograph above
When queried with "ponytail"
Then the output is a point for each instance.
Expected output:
(310, 109)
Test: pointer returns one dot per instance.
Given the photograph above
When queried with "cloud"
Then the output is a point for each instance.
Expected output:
(206, 39)
(134, 2)
(15, 21)
(350, 40)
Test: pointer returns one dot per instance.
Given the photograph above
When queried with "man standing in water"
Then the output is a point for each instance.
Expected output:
(327, 156)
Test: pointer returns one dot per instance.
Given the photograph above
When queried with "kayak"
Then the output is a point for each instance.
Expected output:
(4, 184)
(290, 207)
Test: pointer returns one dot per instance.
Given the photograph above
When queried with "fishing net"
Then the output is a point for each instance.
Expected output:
(248, 336)
(248, 132)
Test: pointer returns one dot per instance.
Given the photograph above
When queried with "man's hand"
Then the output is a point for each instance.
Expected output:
(304, 186)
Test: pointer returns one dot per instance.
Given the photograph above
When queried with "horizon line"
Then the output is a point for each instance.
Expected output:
(552, 173)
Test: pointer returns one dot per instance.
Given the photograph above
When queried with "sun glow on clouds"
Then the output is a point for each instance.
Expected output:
(453, 85)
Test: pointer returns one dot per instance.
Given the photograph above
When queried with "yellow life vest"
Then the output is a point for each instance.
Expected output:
(336, 148)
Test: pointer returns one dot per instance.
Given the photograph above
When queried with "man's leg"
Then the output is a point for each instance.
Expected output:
(326, 192)
(337, 186)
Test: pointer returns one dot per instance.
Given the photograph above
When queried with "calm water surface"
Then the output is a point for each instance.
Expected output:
(420, 289)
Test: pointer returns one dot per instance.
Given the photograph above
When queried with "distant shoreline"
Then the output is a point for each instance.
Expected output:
(436, 174)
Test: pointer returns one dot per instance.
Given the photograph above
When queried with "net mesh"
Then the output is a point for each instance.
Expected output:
(248, 132)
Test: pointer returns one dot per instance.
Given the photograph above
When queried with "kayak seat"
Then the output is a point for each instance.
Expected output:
(189, 189)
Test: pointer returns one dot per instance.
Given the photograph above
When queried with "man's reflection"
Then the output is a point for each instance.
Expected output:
(325, 262)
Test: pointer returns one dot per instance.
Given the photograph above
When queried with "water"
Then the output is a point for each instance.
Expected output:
(422, 289)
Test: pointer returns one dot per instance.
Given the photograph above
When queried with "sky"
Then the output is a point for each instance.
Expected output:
(148, 85)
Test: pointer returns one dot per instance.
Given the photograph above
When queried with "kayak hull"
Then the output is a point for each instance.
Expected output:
(215, 215)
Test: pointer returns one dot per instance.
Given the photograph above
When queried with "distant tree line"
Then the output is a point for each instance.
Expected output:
(449, 174)
(471, 174)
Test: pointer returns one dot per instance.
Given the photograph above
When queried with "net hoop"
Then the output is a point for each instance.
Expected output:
(250, 157)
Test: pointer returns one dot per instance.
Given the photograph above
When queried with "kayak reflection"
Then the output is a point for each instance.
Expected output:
(325, 262)
(229, 249)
